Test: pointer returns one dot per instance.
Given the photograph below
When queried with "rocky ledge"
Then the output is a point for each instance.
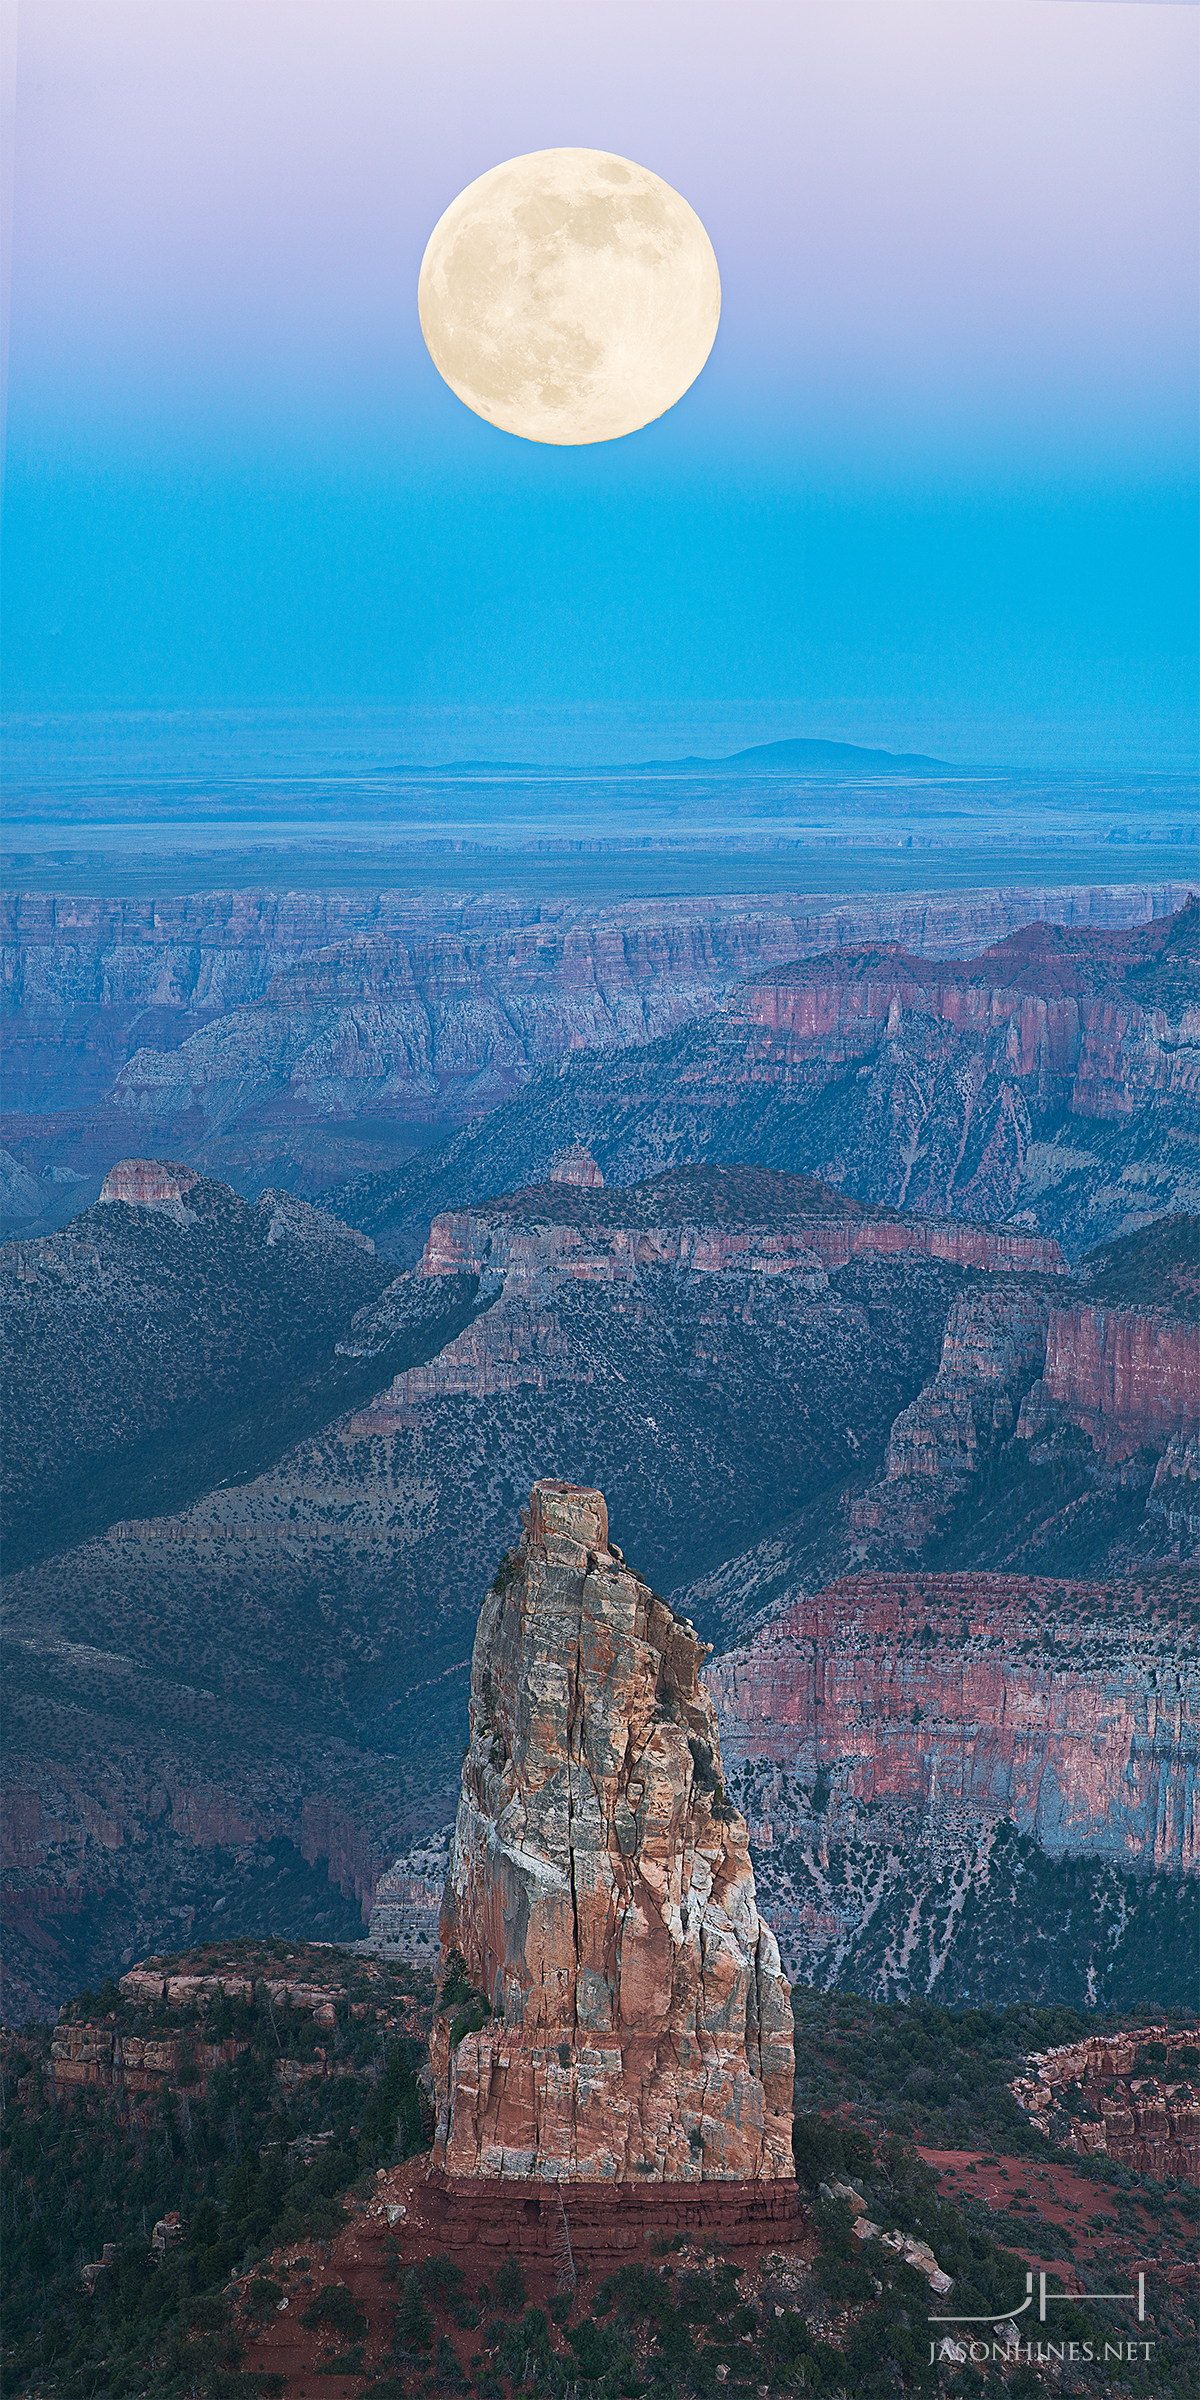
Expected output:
(600, 1892)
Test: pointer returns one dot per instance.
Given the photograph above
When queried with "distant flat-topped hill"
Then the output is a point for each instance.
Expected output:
(801, 757)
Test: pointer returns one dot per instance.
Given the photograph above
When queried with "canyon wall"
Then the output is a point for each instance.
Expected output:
(496, 1240)
(525, 1254)
(1011, 1695)
(307, 1037)
(600, 1892)
(1067, 1014)
(993, 1345)
(1126, 1377)
(974, 1784)
(1050, 1087)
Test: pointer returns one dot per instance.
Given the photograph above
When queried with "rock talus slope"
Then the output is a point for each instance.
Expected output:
(600, 1891)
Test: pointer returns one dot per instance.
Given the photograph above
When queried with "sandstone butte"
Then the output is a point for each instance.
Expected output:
(600, 1892)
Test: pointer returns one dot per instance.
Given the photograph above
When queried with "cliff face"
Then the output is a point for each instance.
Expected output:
(187, 1688)
(510, 1236)
(600, 1891)
(992, 1345)
(1118, 2107)
(1125, 1377)
(525, 1255)
(1012, 1695)
(965, 1071)
(1019, 1379)
(173, 1320)
(941, 1771)
(147, 1183)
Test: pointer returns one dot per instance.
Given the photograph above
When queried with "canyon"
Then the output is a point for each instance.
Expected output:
(303, 1038)
(252, 1687)
(175, 1335)
(271, 1674)
(1050, 1085)
(600, 1894)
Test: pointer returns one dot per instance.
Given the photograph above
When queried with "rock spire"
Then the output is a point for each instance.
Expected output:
(600, 1891)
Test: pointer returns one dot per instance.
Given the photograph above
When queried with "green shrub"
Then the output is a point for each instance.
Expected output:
(442, 2279)
(336, 2307)
(826, 2152)
(456, 1983)
(449, 2373)
(470, 2019)
(845, 2280)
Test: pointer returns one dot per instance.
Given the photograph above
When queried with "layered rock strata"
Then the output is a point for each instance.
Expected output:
(1050, 1085)
(241, 1020)
(526, 1247)
(1148, 2122)
(403, 1926)
(1071, 1709)
(974, 1784)
(148, 1183)
(600, 1891)
(1126, 1377)
(522, 1233)
(992, 1344)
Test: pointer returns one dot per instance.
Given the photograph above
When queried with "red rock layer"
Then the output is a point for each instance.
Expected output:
(474, 1240)
(1126, 1378)
(607, 2228)
(421, 1007)
(147, 1182)
(1149, 2122)
(1010, 1695)
(1066, 1021)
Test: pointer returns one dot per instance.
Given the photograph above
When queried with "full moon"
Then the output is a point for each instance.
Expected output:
(569, 296)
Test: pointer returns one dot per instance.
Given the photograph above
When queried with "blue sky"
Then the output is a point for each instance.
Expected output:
(937, 485)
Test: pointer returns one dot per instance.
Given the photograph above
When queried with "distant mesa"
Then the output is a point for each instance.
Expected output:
(577, 1166)
(630, 2019)
(800, 754)
(148, 1183)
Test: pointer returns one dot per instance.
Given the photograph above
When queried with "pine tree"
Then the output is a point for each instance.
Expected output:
(414, 2325)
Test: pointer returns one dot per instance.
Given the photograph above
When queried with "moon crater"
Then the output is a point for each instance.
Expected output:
(569, 296)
